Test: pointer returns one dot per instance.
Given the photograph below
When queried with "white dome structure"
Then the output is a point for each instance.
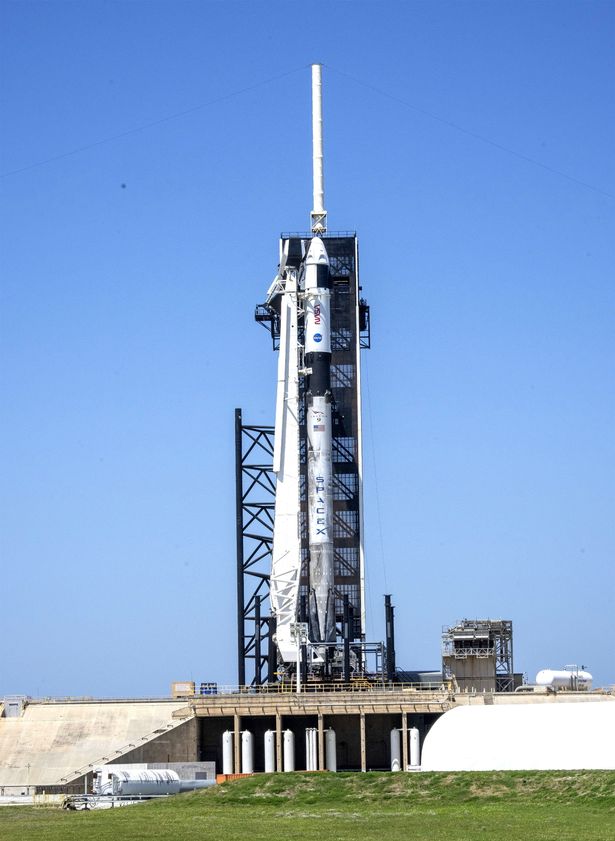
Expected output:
(544, 736)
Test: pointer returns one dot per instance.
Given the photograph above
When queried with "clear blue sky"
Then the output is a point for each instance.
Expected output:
(130, 271)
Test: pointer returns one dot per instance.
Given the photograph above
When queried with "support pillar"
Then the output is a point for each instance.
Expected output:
(404, 741)
(237, 742)
(278, 743)
(321, 743)
(363, 744)
(241, 658)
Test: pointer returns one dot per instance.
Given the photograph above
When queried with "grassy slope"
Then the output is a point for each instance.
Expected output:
(357, 807)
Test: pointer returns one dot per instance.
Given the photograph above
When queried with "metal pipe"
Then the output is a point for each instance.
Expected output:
(272, 651)
(257, 641)
(389, 615)
(346, 635)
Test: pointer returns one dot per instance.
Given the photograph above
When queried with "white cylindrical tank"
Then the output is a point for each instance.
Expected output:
(289, 750)
(269, 751)
(415, 747)
(247, 752)
(227, 752)
(564, 679)
(140, 783)
(395, 750)
(330, 750)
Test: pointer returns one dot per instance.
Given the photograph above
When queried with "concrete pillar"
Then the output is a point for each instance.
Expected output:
(321, 743)
(237, 742)
(404, 741)
(363, 745)
(278, 743)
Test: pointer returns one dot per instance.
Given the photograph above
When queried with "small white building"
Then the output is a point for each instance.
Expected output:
(548, 736)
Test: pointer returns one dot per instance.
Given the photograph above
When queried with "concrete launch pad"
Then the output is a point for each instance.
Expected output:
(52, 746)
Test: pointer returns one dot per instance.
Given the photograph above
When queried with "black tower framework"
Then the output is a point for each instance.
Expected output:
(255, 502)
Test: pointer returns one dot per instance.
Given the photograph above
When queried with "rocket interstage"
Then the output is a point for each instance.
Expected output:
(317, 286)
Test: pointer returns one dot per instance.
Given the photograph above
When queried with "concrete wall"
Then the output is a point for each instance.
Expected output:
(52, 741)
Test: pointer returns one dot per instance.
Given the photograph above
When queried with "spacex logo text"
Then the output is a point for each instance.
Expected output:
(320, 511)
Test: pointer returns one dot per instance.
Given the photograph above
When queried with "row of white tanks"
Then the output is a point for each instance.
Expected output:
(311, 750)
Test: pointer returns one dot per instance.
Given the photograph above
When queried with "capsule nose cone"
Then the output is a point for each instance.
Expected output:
(317, 253)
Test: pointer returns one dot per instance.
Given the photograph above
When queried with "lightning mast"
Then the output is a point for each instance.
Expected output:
(318, 216)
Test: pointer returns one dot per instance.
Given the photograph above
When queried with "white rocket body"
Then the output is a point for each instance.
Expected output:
(317, 286)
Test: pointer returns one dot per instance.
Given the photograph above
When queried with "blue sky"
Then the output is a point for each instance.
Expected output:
(470, 145)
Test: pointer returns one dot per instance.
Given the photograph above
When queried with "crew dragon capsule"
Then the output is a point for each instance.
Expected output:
(321, 599)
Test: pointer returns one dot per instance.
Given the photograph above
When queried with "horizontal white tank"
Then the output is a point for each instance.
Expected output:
(564, 679)
(138, 783)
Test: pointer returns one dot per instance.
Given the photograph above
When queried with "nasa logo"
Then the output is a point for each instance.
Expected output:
(317, 314)
(318, 337)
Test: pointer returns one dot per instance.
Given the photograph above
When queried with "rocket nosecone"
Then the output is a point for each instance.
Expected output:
(319, 442)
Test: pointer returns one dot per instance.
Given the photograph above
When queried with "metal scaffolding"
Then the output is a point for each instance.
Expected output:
(255, 502)
(478, 654)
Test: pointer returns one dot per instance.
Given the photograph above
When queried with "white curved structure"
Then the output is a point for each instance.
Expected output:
(549, 736)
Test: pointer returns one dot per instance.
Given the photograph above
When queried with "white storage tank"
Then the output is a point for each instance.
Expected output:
(227, 752)
(247, 752)
(269, 751)
(395, 749)
(289, 750)
(144, 783)
(573, 679)
(330, 750)
(415, 747)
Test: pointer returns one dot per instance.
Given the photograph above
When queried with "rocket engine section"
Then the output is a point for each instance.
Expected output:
(321, 599)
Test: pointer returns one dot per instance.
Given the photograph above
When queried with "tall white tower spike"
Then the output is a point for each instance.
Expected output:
(318, 216)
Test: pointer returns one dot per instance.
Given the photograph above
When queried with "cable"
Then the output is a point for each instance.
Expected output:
(157, 122)
(473, 134)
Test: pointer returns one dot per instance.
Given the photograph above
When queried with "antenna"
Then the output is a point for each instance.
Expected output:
(318, 216)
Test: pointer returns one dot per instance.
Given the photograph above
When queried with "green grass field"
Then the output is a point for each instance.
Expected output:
(507, 806)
